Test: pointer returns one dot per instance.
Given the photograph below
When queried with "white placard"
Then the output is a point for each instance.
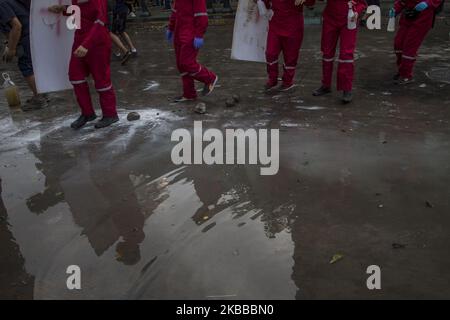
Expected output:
(250, 33)
(51, 46)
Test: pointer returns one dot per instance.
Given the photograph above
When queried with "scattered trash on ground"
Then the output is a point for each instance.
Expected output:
(336, 258)
(133, 116)
(200, 108)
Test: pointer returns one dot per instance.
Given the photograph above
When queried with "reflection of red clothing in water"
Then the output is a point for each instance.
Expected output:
(285, 35)
(411, 34)
(189, 20)
(93, 36)
(335, 20)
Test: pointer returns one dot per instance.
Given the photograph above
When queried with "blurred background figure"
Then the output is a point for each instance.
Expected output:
(15, 24)
(119, 26)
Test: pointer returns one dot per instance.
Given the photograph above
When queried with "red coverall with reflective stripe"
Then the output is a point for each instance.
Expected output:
(285, 35)
(189, 20)
(94, 36)
(411, 34)
(335, 19)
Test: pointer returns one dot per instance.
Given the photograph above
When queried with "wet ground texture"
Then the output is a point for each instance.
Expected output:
(369, 181)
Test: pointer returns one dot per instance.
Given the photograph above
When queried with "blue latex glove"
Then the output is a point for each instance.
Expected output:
(421, 6)
(169, 35)
(392, 13)
(198, 43)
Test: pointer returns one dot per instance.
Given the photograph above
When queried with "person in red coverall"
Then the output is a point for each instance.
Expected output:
(416, 21)
(92, 55)
(335, 20)
(187, 26)
(285, 35)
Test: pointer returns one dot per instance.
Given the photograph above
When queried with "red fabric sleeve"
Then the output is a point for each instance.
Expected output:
(399, 5)
(99, 24)
(200, 18)
(360, 6)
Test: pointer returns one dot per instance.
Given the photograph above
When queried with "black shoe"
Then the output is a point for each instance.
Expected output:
(396, 77)
(125, 58)
(347, 97)
(287, 88)
(106, 122)
(82, 120)
(209, 88)
(35, 103)
(269, 87)
(404, 81)
(321, 91)
(182, 99)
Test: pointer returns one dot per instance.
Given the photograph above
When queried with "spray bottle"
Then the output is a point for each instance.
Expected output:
(351, 22)
(11, 92)
(391, 23)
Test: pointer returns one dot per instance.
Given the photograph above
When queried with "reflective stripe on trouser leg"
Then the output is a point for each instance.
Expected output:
(188, 87)
(288, 75)
(204, 75)
(272, 71)
(273, 50)
(327, 71)
(330, 36)
(189, 91)
(187, 62)
(345, 74)
(81, 90)
(107, 98)
(291, 51)
(407, 66)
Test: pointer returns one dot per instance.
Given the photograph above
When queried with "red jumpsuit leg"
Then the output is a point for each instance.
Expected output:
(189, 91)
(291, 51)
(330, 35)
(346, 60)
(98, 60)
(418, 31)
(400, 39)
(191, 70)
(78, 73)
(273, 50)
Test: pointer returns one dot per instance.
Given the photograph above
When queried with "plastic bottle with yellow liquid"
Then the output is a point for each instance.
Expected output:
(11, 92)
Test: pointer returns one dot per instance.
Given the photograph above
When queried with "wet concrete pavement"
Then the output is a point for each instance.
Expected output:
(353, 180)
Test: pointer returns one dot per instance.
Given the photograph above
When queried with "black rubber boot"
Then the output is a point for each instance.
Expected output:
(321, 91)
(347, 97)
(82, 120)
(106, 122)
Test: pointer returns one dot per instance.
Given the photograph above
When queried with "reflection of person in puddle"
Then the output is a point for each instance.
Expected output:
(114, 218)
(240, 191)
(53, 192)
(12, 262)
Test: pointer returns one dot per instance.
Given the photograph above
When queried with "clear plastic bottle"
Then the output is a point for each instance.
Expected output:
(11, 92)
(351, 22)
(391, 23)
